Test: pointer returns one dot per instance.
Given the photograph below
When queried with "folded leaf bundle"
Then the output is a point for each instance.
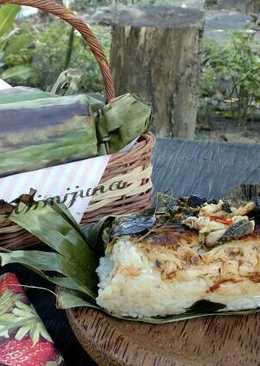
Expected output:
(20, 94)
(152, 266)
(120, 122)
(38, 130)
(46, 131)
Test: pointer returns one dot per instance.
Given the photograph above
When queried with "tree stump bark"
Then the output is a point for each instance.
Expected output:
(156, 55)
(253, 6)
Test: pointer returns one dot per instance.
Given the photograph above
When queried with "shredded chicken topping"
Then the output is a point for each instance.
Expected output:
(218, 222)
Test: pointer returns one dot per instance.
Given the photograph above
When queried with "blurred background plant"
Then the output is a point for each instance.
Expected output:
(35, 53)
(242, 66)
(8, 15)
(230, 80)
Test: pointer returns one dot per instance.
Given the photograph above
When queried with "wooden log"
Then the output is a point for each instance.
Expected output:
(155, 54)
(211, 4)
(253, 6)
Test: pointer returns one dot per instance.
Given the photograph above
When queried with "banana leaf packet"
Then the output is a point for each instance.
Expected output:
(39, 130)
(75, 251)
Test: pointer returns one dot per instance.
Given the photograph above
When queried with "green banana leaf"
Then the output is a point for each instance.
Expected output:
(20, 94)
(121, 121)
(67, 299)
(70, 299)
(44, 132)
(8, 15)
(74, 260)
(77, 127)
(72, 257)
(20, 73)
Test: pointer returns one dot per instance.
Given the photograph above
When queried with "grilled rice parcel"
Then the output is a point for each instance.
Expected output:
(182, 259)
(162, 264)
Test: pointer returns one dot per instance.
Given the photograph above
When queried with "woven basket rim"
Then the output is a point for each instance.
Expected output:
(147, 140)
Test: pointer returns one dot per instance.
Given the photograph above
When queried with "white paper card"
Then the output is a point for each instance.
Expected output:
(4, 85)
(70, 182)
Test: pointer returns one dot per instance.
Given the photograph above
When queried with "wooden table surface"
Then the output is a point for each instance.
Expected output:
(206, 169)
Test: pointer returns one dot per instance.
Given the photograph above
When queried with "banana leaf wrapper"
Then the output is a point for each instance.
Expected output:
(120, 122)
(20, 94)
(38, 130)
(75, 251)
(45, 132)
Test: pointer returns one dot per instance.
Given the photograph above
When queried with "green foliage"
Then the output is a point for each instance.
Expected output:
(36, 55)
(84, 5)
(234, 72)
(18, 50)
(83, 60)
(242, 64)
(17, 58)
(211, 59)
(20, 73)
(8, 15)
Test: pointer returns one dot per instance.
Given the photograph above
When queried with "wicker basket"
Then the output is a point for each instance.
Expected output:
(133, 168)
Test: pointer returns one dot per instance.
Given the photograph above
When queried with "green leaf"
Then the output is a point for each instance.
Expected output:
(19, 44)
(21, 333)
(19, 72)
(121, 121)
(4, 332)
(35, 333)
(67, 299)
(8, 15)
(56, 228)
(26, 259)
(57, 362)
(188, 316)
(72, 299)
(95, 234)
(44, 261)
(15, 314)
(7, 301)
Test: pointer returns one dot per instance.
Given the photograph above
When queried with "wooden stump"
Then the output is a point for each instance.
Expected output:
(253, 6)
(156, 55)
(211, 3)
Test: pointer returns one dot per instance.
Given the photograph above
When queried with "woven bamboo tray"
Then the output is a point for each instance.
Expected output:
(132, 169)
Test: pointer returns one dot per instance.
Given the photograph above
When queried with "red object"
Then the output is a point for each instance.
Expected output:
(24, 353)
(9, 281)
(222, 220)
(24, 340)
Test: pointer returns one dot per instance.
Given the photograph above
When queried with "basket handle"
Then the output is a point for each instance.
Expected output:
(50, 6)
